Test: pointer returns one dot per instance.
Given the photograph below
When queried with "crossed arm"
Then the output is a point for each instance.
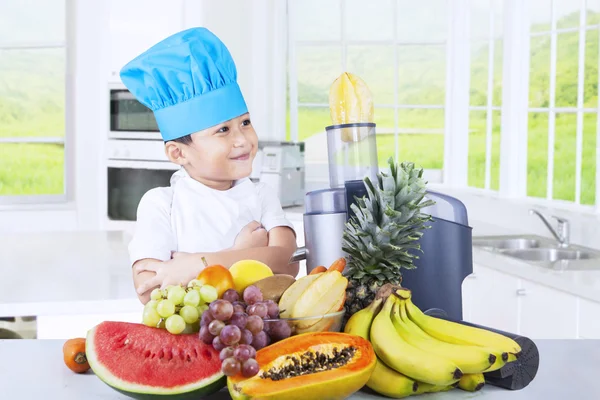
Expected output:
(274, 248)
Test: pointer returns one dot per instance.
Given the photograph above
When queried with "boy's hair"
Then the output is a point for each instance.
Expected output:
(187, 139)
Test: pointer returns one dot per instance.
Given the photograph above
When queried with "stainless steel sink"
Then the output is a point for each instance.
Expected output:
(550, 254)
(537, 250)
(508, 243)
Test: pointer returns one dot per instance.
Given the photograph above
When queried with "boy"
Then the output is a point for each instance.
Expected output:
(211, 209)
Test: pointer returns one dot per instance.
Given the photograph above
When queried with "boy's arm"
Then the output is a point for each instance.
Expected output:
(186, 266)
(277, 254)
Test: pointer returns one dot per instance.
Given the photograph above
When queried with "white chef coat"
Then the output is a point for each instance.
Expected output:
(189, 216)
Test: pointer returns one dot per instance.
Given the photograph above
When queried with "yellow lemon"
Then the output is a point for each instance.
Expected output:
(247, 272)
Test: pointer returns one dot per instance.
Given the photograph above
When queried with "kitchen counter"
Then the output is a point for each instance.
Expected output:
(34, 369)
(65, 273)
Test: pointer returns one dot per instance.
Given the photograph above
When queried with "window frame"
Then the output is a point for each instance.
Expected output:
(434, 175)
(514, 108)
(68, 139)
(583, 29)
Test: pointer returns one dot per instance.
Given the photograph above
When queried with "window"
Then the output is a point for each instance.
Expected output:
(563, 100)
(398, 47)
(32, 100)
(485, 97)
(533, 72)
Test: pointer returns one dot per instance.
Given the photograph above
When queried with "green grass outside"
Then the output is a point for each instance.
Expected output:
(28, 169)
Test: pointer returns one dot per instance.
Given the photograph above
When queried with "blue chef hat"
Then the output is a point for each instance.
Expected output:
(189, 81)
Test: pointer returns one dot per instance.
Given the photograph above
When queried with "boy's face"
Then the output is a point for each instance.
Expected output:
(219, 154)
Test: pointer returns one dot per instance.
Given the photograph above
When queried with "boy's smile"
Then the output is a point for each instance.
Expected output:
(242, 157)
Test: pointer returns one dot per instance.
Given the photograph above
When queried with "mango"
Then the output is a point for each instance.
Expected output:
(322, 296)
(248, 272)
(291, 294)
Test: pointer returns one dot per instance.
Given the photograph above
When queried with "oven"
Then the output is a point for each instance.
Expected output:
(135, 158)
(133, 167)
(130, 119)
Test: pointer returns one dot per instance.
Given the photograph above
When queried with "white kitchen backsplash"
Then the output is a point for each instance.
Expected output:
(492, 215)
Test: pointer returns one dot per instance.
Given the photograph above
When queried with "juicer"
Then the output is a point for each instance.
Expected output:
(445, 258)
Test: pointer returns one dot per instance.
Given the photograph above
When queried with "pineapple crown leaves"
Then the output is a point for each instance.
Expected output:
(381, 238)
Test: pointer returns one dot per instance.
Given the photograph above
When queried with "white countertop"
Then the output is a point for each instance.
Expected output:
(80, 273)
(568, 369)
(73, 273)
(65, 273)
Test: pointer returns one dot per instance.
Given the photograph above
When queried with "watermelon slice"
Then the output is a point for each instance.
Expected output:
(145, 363)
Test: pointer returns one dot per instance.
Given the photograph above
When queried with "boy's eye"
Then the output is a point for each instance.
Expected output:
(246, 122)
(223, 130)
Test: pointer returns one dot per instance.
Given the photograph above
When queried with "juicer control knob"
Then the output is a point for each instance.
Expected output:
(521, 292)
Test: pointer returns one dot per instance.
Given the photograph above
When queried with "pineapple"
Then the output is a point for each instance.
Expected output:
(387, 224)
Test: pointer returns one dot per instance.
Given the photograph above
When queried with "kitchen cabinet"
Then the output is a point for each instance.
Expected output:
(589, 320)
(547, 313)
(499, 300)
(493, 300)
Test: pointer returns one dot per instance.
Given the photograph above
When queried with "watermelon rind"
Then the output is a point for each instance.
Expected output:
(195, 390)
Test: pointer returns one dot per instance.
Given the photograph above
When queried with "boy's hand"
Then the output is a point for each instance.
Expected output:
(181, 269)
(252, 235)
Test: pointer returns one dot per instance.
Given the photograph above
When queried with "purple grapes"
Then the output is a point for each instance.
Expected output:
(231, 295)
(255, 324)
(230, 335)
(242, 352)
(246, 337)
(215, 327)
(260, 340)
(239, 306)
(258, 309)
(217, 344)
(206, 318)
(272, 309)
(221, 309)
(279, 330)
(226, 353)
(252, 295)
(239, 319)
(205, 335)
(250, 368)
(230, 366)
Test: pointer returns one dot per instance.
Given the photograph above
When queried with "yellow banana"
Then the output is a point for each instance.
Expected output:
(428, 388)
(470, 359)
(456, 333)
(471, 382)
(360, 322)
(501, 361)
(391, 383)
(383, 380)
(405, 358)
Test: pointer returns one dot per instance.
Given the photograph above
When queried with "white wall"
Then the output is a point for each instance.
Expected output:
(254, 32)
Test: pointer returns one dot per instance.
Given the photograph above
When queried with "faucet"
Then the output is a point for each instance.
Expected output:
(562, 231)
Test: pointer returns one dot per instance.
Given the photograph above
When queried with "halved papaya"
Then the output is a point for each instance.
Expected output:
(324, 365)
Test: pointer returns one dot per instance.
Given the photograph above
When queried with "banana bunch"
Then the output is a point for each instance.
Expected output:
(418, 354)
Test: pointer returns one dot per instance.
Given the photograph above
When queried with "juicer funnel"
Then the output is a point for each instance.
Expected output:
(352, 153)
(352, 156)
